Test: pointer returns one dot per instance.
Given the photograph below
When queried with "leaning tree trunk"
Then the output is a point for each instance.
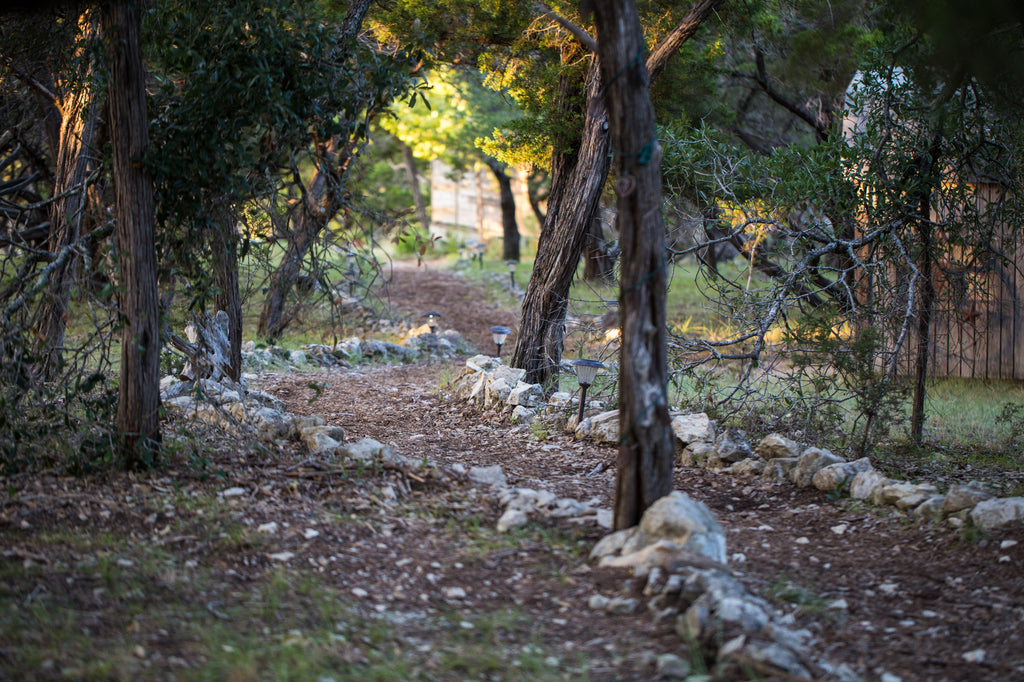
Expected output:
(138, 419)
(510, 229)
(76, 158)
(646, 451)
(574, 197)
(414, 185)
(576, 191)
(321, 204)
(311, 217)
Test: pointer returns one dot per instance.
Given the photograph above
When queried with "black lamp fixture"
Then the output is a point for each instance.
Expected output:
(480, 249)
(586, 371)
(432, 321)
(511, 265)
(499, 333)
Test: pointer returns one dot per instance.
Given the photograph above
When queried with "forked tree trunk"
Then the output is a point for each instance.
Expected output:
(320, 205)
(138, 419)
(646, 451)
(510, 229)
(576, 184)
(311, 217)
(576, 190)
(77, 157)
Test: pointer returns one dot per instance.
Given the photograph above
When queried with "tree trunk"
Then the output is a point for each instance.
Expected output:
(576, 183)
(575, 192)
(926, 303)
(414, 184)
(76, 158)
(510, 229)
(321, 203)
(646, 451)
(597, 264)
(228, 297)
(138, 419)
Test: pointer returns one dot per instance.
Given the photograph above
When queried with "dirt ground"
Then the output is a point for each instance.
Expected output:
(878, 592)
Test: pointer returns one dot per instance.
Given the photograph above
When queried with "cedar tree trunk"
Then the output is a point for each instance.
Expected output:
(138, 419)
(510, 229)
(76, 158)
(646, 451)
(576, 184)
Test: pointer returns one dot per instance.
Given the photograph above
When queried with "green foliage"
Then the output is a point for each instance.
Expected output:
(245, 89)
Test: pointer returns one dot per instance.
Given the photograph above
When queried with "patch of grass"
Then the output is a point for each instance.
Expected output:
(806, 600)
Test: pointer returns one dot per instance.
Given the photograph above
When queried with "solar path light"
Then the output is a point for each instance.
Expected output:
(432, 321)
(511, 265)
(586, 371)
(499, 334)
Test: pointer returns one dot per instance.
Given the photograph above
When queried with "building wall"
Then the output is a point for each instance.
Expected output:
(469, 207)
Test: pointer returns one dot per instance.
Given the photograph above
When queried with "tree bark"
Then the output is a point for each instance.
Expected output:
(76, 157)
(927, 163)
(228, 296)
(414, 185)
(575, 192)
(138, 419)
(646, 452)
(510, 228)
(597, 264)
(576, 183)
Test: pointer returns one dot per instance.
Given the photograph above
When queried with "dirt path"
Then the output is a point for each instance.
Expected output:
(239, 563)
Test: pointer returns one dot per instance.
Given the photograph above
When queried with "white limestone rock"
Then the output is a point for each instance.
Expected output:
(931, 509)
(903, 495)
(523, 415)
(810, 462)
(497, 391)
(492, 476)
(998, 513)
(752, 466)
(602, 428)
(511, 519)
(865, 483)
(965, 496)
(778, 469)
(839, 476)
(693, 428)
(526, 395)
(777, 446)
(679, 518)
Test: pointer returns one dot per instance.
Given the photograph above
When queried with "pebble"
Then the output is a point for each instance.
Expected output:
(974, 656)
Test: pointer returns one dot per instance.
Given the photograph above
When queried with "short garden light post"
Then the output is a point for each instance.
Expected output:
(511, 265)
(480, 249)
(499, 334)
(586, 371)
(432, 321)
